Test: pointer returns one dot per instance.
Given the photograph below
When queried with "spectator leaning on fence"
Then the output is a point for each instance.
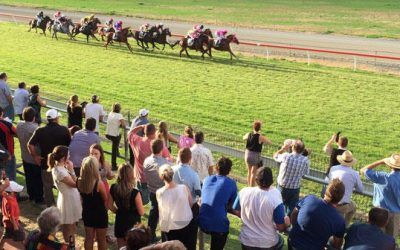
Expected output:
(315, 221)
(218, 195)
(262, 213)
(254, 142)
(333, 153)
(6, 98)
(164, 135)
(202, 159)
(81, 142)
(96, 111)
(46, 139)
(7, 134)
(75, 112)
(21, 98)
(33, 178)
(351, 180)
(36, 102)
(370, 235)
(386, 190)
(151, 167)
(187, 139)
(293, 167)
(115, 121)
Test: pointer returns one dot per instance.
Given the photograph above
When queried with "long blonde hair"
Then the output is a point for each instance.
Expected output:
(89, 175)
(125, 183)
(162, 132)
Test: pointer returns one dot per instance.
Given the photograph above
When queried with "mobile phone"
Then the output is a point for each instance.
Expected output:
(337, 136)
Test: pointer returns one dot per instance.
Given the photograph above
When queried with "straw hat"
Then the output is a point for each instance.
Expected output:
(393, 161)
(346, 159)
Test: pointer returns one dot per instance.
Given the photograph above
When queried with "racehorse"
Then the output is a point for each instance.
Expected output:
(162, 39)
(63, 28)
(146, 38)
(42, 25)
(122, 38)
(224, 45)
(197, 45)
(89, 29)
(103, 32)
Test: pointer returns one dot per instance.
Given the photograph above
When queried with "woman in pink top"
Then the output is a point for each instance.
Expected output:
(187, 139)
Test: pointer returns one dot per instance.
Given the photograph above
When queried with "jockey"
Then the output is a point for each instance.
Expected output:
(118, 28)
(159, 28)
(39, 17)
(220, 36)
(62, 19)
(57, 16)
(87, 19)
(109, 25)
(194, 33)
(144, 29)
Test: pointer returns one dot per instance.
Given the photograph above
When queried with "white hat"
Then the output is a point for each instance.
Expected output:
(143, 112)
(52, 114)
(14, 187)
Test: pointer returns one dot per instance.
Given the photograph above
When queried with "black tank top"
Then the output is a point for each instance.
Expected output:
(333, 160)
(252, 143)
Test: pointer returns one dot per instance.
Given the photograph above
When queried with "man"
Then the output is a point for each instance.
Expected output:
(117, 28)
(46, 139)
(221, 34)
(142, 119)
(194, 33)
(81, 142)
(333, 153)
(96, 111)
(7, 134)
(315, 221)
(87, 19)
(144, 29)
(368, 236)
(151, 166)
(351, 179)
(293, 167)
(6, 97)
(386, 190)
(33, 179)
(262, 213)
(39, 18)
(141, 147)
(202, 159)
(21, 99)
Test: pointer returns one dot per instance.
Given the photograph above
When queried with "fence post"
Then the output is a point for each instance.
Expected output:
(308, 58)
(355, 63)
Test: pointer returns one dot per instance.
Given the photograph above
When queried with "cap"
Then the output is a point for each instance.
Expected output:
(143, 112)
(14, 187)
(52, 114)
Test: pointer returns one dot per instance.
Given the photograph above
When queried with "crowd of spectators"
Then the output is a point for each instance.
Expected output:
(189, 194)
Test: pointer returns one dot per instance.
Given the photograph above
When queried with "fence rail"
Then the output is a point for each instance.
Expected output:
(314, 175)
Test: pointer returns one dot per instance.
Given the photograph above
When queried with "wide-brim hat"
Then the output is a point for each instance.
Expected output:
(393, 161)
(346, 159)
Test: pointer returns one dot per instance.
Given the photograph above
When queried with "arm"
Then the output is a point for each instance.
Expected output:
(372, 166)
(246, 136)
(282, 150)
(41, 101)
(110, 174)
(123, 123)
(236, 207)
(293, 216)
(336, 242)
(110, 203)
(139, 204)
(71, 179)
(171, 138)
(5, 184)
(189, 196)
(359, 186)
(328, 146)
(102, 190)
(32, 150)
(264, 139)
(279, 218)
(135, 130)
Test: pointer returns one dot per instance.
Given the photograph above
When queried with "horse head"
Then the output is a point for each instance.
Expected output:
(69, 22)
(96, 21)
(167, 32)
(208, 32)
(46, 19)
(232, 38)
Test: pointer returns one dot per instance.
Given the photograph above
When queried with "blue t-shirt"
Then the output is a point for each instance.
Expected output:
(386, 189)
(316, 222)
(217, 193)
(361, 236)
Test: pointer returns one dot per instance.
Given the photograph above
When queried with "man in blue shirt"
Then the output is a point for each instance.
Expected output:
(387, 190)
(315, 221)
(362, 236)
(218, 194)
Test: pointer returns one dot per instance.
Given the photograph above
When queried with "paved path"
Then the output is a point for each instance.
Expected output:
(310, 40)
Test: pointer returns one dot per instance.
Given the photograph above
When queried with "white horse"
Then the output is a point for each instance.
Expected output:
(63, 28)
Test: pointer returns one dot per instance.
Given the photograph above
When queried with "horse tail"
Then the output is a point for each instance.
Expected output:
(176, 43)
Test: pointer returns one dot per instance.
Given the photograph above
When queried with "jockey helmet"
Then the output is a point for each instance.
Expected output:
(111, 20)
(119, 22)
(41, 13)
(160, 25)
(58, 13)
(147, 25)
(201, 26)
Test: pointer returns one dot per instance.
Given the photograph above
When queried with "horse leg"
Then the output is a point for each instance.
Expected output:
(163, 47)
(187, 53)
(154, 45)
(87, 38)
(95, 37)
(231, 53)
(129, 47)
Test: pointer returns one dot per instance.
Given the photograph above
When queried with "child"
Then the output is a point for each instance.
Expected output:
(10, 209)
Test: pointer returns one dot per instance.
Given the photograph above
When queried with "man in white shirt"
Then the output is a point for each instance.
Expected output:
(202, 159)
(351, 179)
(96, 111)
(21, 98)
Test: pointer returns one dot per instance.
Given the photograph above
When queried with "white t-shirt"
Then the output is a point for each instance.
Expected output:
(202, 159)
(94, 110)
(113, 123)
(174, 208)
(349, 177)
(257, 209)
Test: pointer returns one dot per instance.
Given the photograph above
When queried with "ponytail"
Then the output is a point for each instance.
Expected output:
(58, 153)
(51, 161)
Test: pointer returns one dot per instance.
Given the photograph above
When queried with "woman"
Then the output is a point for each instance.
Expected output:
(187, 139)
(114, 121)
(96, 150)
(68, 201)
(36, 102)
(48, 221)
(254, 142)
(163, 134)
(74, 111)
(94, 198)
(174, 206)
(126, 202)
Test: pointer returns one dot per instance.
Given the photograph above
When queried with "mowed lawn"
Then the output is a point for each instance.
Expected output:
(218, 96)
(368, 18)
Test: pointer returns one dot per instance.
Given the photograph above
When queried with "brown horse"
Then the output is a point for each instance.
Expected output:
(225, 45)
(89, 29)
(198, 44)
(43, 24)
(103, 31)
(122, 38)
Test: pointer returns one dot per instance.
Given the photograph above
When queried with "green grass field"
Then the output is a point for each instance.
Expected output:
(367, 18)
